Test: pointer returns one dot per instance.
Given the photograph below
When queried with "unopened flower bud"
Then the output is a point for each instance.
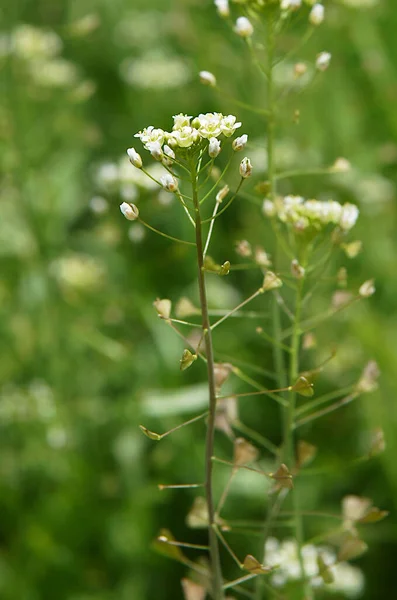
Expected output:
(245, 168)
(300, 69)
(207, 78)
(214, 147)
(169, 151)
(243, 27)
(169, 182)
(323, 61)
(240, 142)
(221, 195)
(155, 150)
(130, 211)
(135, 158)
(317, 14)
(367, 289)
(271, 281)
(222, 7)
(296, 269)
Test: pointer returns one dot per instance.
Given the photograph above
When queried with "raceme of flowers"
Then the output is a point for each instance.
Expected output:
(347, 580)
(244, 27)
(303, 214)
(187, 132)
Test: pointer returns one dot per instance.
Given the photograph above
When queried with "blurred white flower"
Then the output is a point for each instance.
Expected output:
(317, 14)
(29, 42)
(348, 580)
(56, 72)
(155, 70)
(222, 7)
(323, 61)
(349, 216)
(290, 4)
(98, 205)
(243, 27)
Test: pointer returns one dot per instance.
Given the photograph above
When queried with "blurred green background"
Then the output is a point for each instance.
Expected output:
(84, 359)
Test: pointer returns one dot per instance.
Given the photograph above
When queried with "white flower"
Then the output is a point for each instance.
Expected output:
(268, 208)
(240, 142)
(349, 216)
(290, 4)
(222, 7)
(317, 14)
(130, 211)
(323, 61)
(183, 137)
(98, 205)
(135, 158)
(155, 150)
(245, 168)
(243, 27)
(181, 120)
(207, 78)
(150, 134)
(367, 289)
(169, 182)
(214, 147)
(229, 125)
(208, 125)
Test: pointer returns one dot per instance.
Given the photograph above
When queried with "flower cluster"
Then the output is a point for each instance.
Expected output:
(303, 214)
(347, 580)
(188, 133)
(244, 27)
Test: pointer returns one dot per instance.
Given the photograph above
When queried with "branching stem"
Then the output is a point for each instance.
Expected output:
(217, 582)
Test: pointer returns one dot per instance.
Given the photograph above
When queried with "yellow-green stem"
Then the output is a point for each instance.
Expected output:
(216, 572)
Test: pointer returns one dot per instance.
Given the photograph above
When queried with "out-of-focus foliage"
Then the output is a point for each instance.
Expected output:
(84, 360)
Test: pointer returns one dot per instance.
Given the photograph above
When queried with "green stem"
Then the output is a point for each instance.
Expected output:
(217, 582)
(289, 453)
(277, 349)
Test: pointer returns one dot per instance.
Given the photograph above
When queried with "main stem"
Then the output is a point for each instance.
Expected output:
(216, 572)
(289, 453)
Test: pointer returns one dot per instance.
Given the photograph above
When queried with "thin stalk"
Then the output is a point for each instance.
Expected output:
(278, 352)
(237, 308)
(289, 453)
(207, 243)
(217, 582)
(169, 237)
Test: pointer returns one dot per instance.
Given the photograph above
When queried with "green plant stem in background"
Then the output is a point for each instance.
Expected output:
(216, 572)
